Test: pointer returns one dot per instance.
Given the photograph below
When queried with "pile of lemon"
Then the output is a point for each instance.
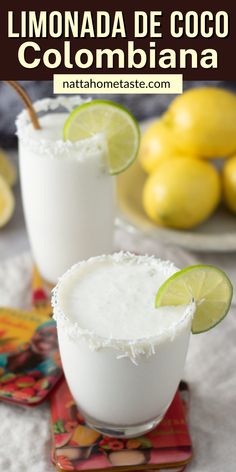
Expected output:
(184, 185)
(8, 176)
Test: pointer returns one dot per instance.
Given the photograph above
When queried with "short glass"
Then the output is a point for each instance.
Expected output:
(67, 192)
(120, 395)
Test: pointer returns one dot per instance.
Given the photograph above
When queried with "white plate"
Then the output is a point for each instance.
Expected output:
(218, 234)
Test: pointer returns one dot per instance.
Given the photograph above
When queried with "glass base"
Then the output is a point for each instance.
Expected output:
(122, 431)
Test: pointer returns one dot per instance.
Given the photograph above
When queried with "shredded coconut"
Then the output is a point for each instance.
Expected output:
(131, 348)
(36, 142)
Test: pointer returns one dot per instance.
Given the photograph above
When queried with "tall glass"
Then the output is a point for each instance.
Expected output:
(67, 192)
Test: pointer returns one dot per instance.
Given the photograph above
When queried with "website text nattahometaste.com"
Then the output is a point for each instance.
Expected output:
(31, 25)
(116, 84)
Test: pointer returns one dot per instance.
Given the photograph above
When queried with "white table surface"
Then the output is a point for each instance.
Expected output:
(210, 369)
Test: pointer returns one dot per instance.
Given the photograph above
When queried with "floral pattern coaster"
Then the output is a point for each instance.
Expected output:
(29, 356)
(77, 447)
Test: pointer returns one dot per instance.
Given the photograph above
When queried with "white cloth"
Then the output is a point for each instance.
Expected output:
(210, 371)
(210, 368)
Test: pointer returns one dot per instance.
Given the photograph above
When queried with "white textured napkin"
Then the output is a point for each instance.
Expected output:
(210, 367)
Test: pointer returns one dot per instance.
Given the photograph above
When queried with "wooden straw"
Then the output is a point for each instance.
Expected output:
(27, 102)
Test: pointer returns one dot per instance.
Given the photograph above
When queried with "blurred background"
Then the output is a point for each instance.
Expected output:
(210, 368)
(145, 107)
(208, 229)
(142, 105)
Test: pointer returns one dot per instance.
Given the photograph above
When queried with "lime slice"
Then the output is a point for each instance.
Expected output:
(207, 285)
(7, 202)
(119, 126)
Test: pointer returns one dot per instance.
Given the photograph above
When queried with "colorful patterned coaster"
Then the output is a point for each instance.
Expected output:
(77, 447)
(40, 298)
(29, 357)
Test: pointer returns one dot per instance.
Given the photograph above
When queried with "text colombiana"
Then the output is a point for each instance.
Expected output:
(101, 24)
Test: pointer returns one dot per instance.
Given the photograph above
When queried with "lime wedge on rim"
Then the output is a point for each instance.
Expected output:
(207, 285)
(118, 125)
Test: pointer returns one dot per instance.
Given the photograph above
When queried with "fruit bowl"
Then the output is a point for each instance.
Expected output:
(217, 234)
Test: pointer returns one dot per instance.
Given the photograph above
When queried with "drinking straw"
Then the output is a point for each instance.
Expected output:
(26, 100)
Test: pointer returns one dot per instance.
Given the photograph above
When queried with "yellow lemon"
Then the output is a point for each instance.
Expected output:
(229, 183)
(7, 202)
(182, 193)
(158, 143)
(204, 120)
(7, 169)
